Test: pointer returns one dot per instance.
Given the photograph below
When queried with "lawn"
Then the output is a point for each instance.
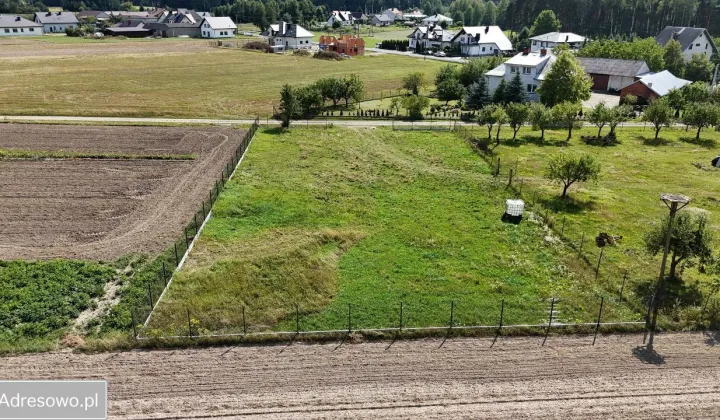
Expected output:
(625, 200)
(324, 218)
(228, 83)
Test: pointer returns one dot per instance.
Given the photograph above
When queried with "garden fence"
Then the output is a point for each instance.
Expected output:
(175, 257)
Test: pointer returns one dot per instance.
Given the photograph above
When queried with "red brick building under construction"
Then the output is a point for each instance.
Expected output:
(346, 44)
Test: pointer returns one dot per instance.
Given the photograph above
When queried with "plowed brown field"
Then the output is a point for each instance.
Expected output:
(461, 378)
(104, 208)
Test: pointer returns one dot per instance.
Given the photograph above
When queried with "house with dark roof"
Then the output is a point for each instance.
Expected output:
(130, 29)
(344, 18)
(425, 38)
(287, 36)
(180, 22)
(692, 40)
(612, 74)
(360, 17)
(98, 15)
(14, 25)
(56, 22)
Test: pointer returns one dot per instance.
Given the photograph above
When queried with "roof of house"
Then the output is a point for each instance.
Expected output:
(222, 22)
(90, 13)
(559, 37)
(542, 63)
(684, 35)
(434, 33)
(662, 82)
(129, 13)
(358, 15)
(437, 18)
(614, 66)
(125, 29)
(56, 17)
(487, 35)
(416, 14)
(287, 30)
(383, 18)
(342, 15)
(15, 21)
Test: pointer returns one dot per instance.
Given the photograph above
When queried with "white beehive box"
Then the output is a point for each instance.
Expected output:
(514, 207)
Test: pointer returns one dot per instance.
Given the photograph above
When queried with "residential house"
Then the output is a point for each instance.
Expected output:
(477, 41)
(414, 16)
(346, 44)
(393, 14)
(180, 22)
(531, 66)
(14, 25)
(98, 15)
(130, 29)
(56, 22)
(360, 17)
(218, 27)
(381, 20)
(342, 17)
(553, 39)
(612, 74)
(425, 38)
(692, 40)
(287, 36)
(653, 85)
(436, 19)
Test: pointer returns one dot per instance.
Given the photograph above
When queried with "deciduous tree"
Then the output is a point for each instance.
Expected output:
(567, 170)
(701, 115)
(565, 82)
(599, 115)
(413, 82)
(674, 59)
(541, 117)
(690, 240)
(518, 114)
(567, 113)
(289, 105)
(545, 22)
(659, 114)
(699, 68)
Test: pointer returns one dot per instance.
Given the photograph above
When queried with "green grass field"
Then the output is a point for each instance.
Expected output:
(228, 83)
(330, 217)
(625, 200)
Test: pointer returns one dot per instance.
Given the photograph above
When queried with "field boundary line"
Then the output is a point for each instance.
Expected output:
(195, 238)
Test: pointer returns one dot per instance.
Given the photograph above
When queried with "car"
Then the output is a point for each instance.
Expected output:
(439, 54)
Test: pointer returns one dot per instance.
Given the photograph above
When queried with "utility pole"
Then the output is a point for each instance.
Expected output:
(671, 201)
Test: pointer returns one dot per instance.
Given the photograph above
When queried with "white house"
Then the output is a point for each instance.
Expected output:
(381, 20)
(436, 19)
(429, 37)
(393, 14)
(476, 41)
(218, 27)
(553, 39)
(692, 40)
(56, 22)
(531, 66)
(13, 25)
(287, 36)
(344, 18)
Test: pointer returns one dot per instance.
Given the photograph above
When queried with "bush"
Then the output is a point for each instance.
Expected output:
(327, 55)
(302, 53)
(258, 45)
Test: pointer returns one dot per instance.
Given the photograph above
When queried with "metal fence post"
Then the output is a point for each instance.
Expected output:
(502, 313)
(452, 312)
(177, 260)
(349, 319)
(164, 273)
(401, 316)
(196, 224)
(150, 295)
(547, 330)
(597, 325)
(597, 269)
(297, 318)
(203, 210)
(622, 288)
(187, 241)
(244, 324)
(134, 324)
(189, 322)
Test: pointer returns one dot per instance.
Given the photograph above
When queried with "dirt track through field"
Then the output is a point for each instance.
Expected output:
(105, 208)
(460, 378)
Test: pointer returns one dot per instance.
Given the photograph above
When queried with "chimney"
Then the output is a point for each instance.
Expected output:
(649, 85)
(487, 29)
(49, 14)
(543, 52)
(567, 38)
(526, 51)
(17, 19)
(59, 13)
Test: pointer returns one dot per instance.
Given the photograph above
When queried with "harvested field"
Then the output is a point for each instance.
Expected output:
(20, 48)
(104, 208)
(458, 378)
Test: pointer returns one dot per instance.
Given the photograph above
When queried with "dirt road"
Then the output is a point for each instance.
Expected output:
(461, 378)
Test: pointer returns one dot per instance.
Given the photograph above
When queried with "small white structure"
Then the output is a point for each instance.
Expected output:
(436, 19)
(288, 36)
(532, 68)
(514, 207)
(344, 18)
(13, 25)
(477, 41)
(553, 39)
(56, 22)
(218, 27)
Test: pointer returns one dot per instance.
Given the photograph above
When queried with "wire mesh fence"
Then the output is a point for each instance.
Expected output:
(173, 259)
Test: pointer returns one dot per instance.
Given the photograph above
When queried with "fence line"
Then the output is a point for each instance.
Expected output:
(166, 276)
